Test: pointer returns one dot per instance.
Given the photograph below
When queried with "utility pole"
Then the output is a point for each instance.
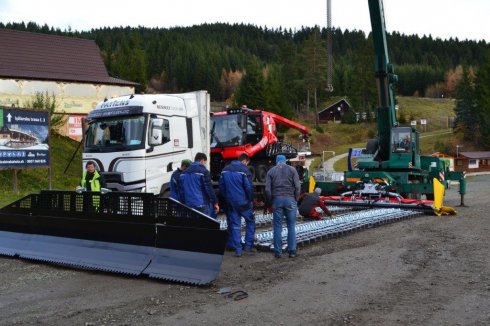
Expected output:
(329, 48)
(457, 150)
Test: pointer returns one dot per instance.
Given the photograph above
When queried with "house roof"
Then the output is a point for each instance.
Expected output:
(331, 106)
(476, 155)
(52, 57)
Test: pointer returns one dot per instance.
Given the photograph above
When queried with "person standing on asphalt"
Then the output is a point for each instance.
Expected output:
(309, 204)
(175, 180)
(282, 189)
(235, 187)
(196, 190)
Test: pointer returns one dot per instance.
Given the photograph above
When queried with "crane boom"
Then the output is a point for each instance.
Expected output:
(289, 123)
(385, 77)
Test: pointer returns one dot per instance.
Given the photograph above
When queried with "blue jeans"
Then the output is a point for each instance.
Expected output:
(284, 207)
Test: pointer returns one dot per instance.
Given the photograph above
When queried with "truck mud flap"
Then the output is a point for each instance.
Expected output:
(133, 234)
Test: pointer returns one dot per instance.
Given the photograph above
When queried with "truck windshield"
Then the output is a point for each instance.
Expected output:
(116, 134)
(226, 130)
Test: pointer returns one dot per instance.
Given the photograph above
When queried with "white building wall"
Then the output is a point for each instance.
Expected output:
(73, 98)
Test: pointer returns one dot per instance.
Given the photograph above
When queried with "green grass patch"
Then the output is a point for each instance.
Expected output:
(436, 111)
(34, 180)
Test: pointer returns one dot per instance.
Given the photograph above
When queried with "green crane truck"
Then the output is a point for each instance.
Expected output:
(393, 158)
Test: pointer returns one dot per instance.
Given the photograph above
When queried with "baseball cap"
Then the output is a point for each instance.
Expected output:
(280, 158)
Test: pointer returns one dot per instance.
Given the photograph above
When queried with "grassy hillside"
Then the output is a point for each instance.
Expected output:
(435, 111)
(33, 180)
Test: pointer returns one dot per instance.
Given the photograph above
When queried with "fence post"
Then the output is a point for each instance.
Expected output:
(15, 187)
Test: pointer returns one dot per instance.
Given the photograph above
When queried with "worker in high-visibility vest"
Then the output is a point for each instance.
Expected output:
(92, 180)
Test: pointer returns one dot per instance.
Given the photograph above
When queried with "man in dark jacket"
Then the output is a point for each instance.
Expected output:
(196, 190)
(175, 180)
(235, 186)
(282, 188)
(309, 204)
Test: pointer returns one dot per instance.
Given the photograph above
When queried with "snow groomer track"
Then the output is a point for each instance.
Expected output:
(344, 223)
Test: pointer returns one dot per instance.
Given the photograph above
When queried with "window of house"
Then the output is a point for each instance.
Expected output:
(473, 164)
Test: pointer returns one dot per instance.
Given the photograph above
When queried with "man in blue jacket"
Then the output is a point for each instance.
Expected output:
(235, 186)
(196, 190)
(282, 188)
(175, 180)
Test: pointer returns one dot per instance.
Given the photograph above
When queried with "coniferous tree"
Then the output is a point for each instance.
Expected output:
(482, 99)
(250, 91)
(193, 57)
(292, 72)
(275, 94)
(130, 61)
(363, 90)
(466, 118)
(315, 60)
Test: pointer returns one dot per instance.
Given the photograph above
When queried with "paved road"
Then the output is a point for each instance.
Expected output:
(436, 133)
(329, 163)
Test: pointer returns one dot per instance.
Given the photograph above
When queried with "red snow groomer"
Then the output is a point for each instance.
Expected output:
(253, 132)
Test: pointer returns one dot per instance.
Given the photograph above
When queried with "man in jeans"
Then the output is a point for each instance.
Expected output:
(282, 188)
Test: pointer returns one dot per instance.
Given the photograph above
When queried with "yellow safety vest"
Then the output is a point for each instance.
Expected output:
(94, 183)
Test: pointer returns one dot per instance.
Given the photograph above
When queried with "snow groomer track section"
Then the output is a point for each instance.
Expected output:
(342, 224)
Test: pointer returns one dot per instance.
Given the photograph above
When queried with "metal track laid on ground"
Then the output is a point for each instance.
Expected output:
(262, 220)
(318, 230)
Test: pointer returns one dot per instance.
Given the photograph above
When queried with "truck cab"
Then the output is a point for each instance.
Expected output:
(138, 141)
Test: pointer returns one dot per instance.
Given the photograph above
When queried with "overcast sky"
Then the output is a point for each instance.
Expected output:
(464, 19)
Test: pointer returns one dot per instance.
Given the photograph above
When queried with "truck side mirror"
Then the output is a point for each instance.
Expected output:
(155, 135)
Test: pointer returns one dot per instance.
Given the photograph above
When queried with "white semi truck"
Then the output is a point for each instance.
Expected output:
(137, 141)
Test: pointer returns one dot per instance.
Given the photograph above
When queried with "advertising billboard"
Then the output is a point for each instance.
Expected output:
(75, 130)
(24, 138)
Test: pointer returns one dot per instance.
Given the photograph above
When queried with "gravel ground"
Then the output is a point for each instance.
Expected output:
(422, 271)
